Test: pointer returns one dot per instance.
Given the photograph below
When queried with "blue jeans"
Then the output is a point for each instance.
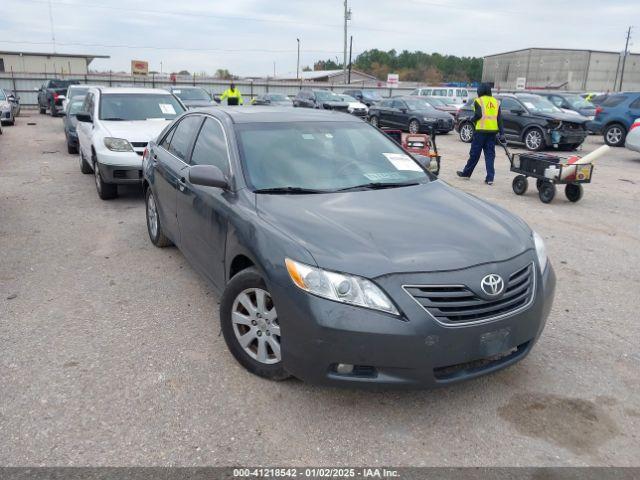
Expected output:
(482, 141)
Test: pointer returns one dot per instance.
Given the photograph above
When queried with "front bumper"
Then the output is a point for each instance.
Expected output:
(564, 137)
(120, 174)
(414, 351)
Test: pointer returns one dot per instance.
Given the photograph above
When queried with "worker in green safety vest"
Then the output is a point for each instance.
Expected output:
(488, 124)
(232, 95)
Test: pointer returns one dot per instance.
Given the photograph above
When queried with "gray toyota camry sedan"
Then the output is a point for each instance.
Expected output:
(339, 258)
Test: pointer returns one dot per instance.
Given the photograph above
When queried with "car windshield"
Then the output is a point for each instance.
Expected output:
(539, 105)
(347, 98)
(327, 96)
(416, 104)
(192, 94)
(136, 106)
(447, 101)
(435, 101)
(62, 83)
(75, 106)
(77, 91)
(323, 156)
(2, 95)
(277, 97)
(372, 94)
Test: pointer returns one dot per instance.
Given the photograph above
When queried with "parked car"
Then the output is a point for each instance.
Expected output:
(570, 102)
(51, 95)
(614, 117)
(324, 99)
(632, 141)
(70, 122)
(272, 99)
(410, 114)
(75, 91)
(443, 104)
(356, 107)
(193, 97)
(304, 220)
(9, 107)
(367, 96)
(531, 120)
(114, 127)
(458, 95)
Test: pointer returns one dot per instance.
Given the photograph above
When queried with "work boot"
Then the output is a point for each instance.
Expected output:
(461, 174)
(489, 182)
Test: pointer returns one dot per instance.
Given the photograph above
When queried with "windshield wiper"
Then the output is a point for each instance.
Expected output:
(378, 186)
(113, 119)
(293, 190)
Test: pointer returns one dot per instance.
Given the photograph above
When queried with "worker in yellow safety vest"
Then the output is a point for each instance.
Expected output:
(487, 122)
(232, 95)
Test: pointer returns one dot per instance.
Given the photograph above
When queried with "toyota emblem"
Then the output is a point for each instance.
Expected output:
(492, 284)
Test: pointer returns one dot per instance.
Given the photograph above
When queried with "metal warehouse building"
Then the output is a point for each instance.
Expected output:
(588, 70)
(56, 63)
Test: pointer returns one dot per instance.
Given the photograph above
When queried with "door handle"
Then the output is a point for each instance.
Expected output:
(181, 184)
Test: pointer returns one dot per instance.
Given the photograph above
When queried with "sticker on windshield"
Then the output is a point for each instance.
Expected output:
(307, 136)
(375, 177)
(328, 135)
(402, 162)
(167, 109)
(177, 91)
(529, 105)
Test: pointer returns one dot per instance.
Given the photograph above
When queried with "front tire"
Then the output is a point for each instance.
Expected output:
(43, 110)
(414, 126)
(520, 185)
(534, 140)
(547, 191)
(52, 106)
(615, 135)
(466, 132)
(106, 191)
(573, 192)
(154, 228)
(374, 121)
(250, 325)
(84, 166)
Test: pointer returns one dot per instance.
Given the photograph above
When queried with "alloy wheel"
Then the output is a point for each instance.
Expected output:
(374, 121)
(96, 175)
(255, 325)
(152, 215)
(614, 135)
(466, 133)
(414, 127)
(533, 140)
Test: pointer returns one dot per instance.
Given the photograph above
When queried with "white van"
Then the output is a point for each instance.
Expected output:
(458, 95)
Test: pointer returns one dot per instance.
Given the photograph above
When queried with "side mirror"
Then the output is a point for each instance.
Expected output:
(11, 98)
(208, 176)
(517, 111)
(403, 110)
(216, 98)
(84, 117)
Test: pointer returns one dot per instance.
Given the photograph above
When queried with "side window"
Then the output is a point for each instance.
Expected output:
(184, 133)
(557, 101)
(399, 104)
(210, 147)
(386, 103)
(427, 92)
(451, 92)
(166, 142)
(87, 106)
(635, 104)
(509, 104)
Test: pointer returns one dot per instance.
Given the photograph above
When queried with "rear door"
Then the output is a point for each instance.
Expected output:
(203, 212)
(384, 109)
(633, 112)
(399, 114)
(171, 157)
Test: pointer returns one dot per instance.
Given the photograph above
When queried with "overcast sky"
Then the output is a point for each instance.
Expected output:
(248, 36)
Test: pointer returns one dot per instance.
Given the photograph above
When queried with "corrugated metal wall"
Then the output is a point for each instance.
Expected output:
(27, 85)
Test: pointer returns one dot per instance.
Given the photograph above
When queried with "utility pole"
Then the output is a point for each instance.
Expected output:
(298, 63)
(274, 69)
(53, 34)
(624, 59)
(350, 52)
(347, 16)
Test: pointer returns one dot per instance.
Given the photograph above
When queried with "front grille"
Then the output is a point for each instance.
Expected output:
(573, 126)
(139, 144)
(360, 112)
(442, 123)
(458, 304)
(127, 174)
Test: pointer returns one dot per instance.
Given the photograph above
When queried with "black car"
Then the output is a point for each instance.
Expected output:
(410, 114)
(531, 120)
(324, 99)
(70, 122)
(368, 97)
(272, 99)
(192, 97)
(570, 101)
(305, 221)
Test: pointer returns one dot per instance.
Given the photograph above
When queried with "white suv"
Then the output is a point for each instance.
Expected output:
(114, 127)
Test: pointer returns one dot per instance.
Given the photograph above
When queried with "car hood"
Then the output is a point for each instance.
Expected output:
(333, 104)
(433, 113)
(197, 103)
(354, 105)
(565, 117)
(428, 227)
(136, 131)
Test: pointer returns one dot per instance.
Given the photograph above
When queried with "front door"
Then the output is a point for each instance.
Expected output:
(203, 212)
(511, 120)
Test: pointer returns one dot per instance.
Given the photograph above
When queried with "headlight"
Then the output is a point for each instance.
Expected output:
(541, 251)
(117, 144)
(339, 287)
(430, 119)
(4, 105)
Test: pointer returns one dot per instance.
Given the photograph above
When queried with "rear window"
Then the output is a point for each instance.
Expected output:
(613, 101)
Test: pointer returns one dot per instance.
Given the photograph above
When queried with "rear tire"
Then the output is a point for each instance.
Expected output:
(72, 149)
(154, 227)
(520, 185)
(615, 135)
(53, 109)
(547, 192)
(414, 126)
(43, 110)
(237, 321)
(84, 166)
(374, 121)
(466, 132)
(573, 191)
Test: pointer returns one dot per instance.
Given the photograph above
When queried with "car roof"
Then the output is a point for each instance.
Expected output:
(274, 115)
(185, 87)
(152, 91)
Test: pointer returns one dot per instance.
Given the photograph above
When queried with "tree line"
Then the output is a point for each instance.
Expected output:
(413, 66)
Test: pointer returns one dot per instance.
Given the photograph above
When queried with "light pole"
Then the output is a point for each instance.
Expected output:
(298, 62)
(347, 16)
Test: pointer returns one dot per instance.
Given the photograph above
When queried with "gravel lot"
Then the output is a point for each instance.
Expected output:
(111, 353)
